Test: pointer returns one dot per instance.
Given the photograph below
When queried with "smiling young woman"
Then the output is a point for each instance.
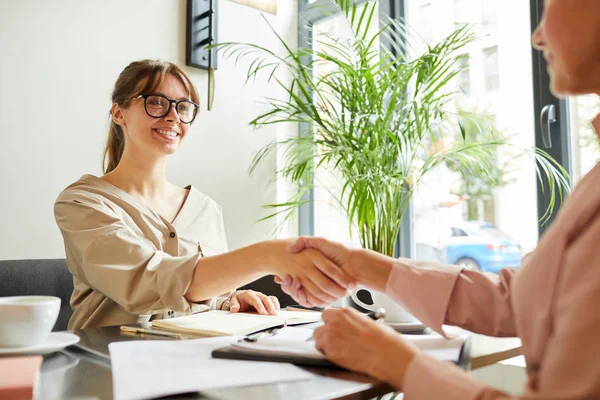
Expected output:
(140, 247)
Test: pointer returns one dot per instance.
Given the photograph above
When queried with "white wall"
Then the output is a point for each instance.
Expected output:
(59, 61)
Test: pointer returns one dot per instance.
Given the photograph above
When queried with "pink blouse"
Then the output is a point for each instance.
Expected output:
(552, 303)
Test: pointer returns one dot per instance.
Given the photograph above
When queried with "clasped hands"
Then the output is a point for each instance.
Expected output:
(347, 337)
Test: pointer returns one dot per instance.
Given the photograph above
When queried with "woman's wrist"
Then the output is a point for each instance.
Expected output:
(226, 304)
(261, 258)
(370, 268)
(396, 356)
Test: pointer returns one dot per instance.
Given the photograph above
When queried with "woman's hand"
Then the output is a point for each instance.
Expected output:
(356, 342)
(336, 252)
(249, 300)
(321, 280)
(341, 255)
(366, 267)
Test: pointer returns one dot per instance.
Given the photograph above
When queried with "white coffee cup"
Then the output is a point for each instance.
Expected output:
(393, 311)
(27, 320)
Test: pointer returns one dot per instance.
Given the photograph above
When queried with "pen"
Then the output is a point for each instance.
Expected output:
(144, 331)
(377, 314)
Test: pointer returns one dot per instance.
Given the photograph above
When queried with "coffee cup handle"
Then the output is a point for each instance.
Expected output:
(370, 307)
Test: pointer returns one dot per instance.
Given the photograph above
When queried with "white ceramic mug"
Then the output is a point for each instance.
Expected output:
(27, 320)
(393, 311)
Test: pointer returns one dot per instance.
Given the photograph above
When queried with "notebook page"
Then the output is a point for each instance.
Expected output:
(299, 317)
(224, 323)
(219, 323)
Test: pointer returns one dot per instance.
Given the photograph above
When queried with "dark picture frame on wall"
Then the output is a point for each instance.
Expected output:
(201, 31)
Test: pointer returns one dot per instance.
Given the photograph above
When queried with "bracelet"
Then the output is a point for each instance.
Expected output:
(226, 305)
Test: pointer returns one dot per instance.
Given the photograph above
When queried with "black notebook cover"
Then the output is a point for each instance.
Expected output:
(237, 353)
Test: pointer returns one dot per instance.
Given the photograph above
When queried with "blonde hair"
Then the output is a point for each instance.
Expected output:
(137, 78)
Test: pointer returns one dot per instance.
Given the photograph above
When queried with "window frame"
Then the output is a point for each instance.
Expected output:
(560, 132)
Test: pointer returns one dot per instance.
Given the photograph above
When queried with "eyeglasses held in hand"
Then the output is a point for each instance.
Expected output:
(158, 105)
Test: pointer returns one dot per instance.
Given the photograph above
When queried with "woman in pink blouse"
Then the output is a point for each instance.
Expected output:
(551, 303)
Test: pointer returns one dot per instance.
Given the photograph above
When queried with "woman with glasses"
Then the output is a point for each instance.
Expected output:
(551, 302)
(140, 247)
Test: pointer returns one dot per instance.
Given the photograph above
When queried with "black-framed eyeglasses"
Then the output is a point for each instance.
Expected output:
(158, 105)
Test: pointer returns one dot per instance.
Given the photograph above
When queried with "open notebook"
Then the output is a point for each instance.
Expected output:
(224, 323)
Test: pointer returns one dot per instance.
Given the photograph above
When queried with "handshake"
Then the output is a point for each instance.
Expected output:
(315, 272)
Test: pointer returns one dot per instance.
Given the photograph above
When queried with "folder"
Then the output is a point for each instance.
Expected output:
(236, 353)
(303, 353)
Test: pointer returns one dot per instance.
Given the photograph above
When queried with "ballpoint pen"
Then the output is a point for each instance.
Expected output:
(145, 331)
(377, 315)
(253, 337)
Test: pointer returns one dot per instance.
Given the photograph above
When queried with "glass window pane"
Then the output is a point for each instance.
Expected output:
(489, 15)
(425, 28)
(486, 224)
(584, 141)
(464, 76)
(490, 69)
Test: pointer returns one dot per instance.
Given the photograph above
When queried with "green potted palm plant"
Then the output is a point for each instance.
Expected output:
(367, 108)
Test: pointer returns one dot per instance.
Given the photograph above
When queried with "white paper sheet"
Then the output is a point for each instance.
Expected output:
(294, 333)
(288, 344)
(148, 369)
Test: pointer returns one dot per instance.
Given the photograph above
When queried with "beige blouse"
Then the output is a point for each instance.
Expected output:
(129, 264)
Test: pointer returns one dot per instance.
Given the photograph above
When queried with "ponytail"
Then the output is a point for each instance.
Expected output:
(115, 144)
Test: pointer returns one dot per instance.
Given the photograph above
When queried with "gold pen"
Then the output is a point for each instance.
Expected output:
(144, 331)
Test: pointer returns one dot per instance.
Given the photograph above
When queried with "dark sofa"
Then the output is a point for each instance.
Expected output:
(52, 278)
(39, 277)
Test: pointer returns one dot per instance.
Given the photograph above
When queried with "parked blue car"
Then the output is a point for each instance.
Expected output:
(480, 246)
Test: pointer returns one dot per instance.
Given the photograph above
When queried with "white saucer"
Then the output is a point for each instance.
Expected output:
(407, 327)
(56, 341)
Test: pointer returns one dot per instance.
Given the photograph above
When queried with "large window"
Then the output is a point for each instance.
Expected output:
(448, 201)
(461, 219)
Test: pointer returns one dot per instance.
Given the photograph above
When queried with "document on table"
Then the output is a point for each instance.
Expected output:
(148, 369)
(292, 342)
(294, 333)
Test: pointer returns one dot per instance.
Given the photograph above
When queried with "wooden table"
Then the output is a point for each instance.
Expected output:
(487, 350)
(75, 373)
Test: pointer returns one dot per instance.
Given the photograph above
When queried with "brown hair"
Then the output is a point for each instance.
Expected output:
(137, 78)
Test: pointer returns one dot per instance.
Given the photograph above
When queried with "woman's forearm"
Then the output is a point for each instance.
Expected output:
(215, 275)
(371, 269)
